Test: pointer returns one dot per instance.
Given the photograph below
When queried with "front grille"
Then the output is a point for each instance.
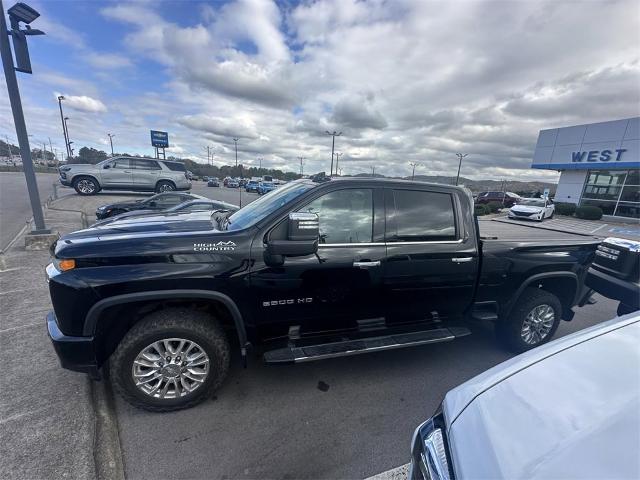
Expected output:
(522, 214)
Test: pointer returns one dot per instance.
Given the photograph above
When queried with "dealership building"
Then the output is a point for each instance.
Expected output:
(599, 164)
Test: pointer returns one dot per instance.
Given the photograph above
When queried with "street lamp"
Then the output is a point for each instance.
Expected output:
(111, 135)
(460, 156)
(413, 172)
(64, 128)
(69, 142)
(235, 140)
(21, 13)
(333, 134)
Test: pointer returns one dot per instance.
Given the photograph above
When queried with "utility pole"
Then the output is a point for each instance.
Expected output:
(55, 159)
(333, 134)
(6, 137)
(338, 155)
(235, 140)
(373, 171)
(413, 172)
(302, 164)
(111, 135)
(21, 13)
(460, 156)
(260, 163)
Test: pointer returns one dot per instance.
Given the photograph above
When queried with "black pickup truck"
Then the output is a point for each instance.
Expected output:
(318, 268)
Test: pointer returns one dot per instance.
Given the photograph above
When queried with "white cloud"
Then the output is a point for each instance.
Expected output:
(83, 103)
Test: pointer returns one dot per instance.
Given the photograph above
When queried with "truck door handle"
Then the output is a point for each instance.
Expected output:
(461, 259)
(366, 264)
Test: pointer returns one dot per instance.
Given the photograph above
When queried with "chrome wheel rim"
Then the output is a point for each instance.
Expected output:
(537, 324)
(170, 368)
(165, 187)
(86, 186)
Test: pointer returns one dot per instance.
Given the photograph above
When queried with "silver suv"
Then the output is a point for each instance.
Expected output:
(126, 173)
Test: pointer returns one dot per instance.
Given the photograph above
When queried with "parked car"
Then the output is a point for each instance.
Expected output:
(213, 182)
(232, 183)
(533, 209)
(200, 204)
(243, 182)
(615, 273)
(265, 187)
(509, 198)
(316, 269)
(160, 201)
(568, 409)
(252, 186)
(124, 173)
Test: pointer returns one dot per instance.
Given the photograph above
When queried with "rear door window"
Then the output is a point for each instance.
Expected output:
(421, 216)
(175, 166)
(140, 164)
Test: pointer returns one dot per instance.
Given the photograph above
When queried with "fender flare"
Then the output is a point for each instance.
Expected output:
(538, 277)
(96, 310)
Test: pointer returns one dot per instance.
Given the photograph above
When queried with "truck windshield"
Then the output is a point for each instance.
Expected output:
(257, 210)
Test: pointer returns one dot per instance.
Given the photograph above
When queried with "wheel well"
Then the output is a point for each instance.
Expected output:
(114, 322)
(562, 287)
(84, 175)
(164, 180)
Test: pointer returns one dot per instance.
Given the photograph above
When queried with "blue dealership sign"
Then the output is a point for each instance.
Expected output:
(159, 139)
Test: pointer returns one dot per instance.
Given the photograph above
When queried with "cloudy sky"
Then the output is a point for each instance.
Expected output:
(404, 80)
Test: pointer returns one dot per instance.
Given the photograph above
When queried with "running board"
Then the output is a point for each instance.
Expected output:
(365, 345)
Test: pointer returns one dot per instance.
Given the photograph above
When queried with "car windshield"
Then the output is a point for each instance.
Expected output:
(532, 202)
(260, 208)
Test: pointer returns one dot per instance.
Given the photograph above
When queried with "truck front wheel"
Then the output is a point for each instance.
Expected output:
(532, 321)
(172, 359)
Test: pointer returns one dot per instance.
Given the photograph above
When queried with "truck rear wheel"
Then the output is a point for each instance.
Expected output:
(532, 321)
(172, 359)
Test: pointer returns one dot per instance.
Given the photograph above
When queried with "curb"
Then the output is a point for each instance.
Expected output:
(107, 452)
(502, 220)
(398, 473)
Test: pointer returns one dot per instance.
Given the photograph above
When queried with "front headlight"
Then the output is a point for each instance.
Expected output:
(429, 451)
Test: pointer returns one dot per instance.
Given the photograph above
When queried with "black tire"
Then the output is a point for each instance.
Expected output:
(86, 186)
(183, 323)
(624, 309)
(510, 330)
(165, 186)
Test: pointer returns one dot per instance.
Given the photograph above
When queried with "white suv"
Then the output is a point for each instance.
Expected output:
(126, 173)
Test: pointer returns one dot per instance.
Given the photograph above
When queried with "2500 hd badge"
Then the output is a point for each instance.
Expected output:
(405, 258)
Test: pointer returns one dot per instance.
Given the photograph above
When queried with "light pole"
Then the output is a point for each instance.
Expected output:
(69, 142)
(333, 134)
(235, 140)
(21, 13)
(64, 128)
(413, 172)
(260, 162)
(111, 135)
(338, 155)
(460, 156)
(302, 164)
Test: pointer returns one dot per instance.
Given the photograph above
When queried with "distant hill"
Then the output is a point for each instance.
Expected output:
(522, 188)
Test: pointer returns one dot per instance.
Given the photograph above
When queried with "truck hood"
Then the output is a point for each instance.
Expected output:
(568, 409)
(161, 231)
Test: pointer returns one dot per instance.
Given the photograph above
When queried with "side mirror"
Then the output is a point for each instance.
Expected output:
(108, 165)
(302, 237)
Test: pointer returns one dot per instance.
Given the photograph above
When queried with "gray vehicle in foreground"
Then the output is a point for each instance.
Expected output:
(126, 173)
(567, 409)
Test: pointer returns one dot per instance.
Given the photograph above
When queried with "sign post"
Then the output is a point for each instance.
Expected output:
(159, 140)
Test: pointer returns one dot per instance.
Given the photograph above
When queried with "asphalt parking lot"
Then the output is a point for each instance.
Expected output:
(343, 418)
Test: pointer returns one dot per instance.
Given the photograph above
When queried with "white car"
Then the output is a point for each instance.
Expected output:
(533, 209)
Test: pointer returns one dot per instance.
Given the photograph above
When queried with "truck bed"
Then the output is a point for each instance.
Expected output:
(490, 230)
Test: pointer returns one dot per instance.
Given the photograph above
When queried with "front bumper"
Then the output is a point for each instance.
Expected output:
(64, 180)
(613, 287)
(75, 353)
